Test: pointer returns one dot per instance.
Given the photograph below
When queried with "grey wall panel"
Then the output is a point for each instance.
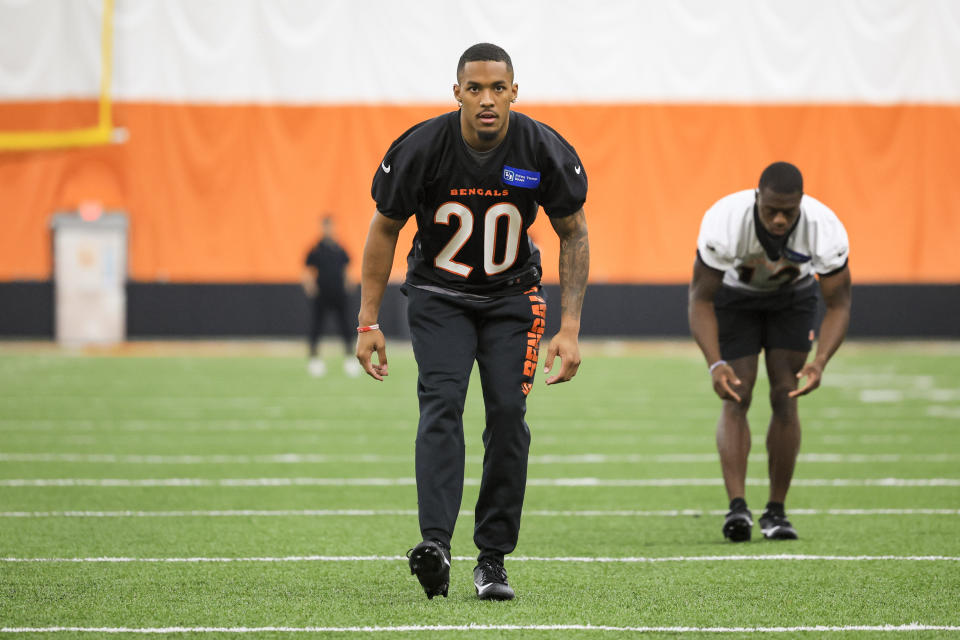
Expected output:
(252, 310)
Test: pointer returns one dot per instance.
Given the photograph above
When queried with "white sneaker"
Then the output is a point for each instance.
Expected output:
(317, 367)
(352, 368)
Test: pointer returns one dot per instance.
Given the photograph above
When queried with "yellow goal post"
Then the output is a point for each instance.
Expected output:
(100, 134)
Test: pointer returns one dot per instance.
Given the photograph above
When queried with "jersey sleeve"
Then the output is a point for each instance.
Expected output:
(398, 183)
(563, 181)
(717, 242)
(831, 248)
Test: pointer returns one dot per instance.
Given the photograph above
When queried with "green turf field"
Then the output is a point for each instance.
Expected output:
(206, 492)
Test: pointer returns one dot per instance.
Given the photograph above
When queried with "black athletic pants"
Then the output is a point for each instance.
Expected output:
(502, 335)
(322, 305)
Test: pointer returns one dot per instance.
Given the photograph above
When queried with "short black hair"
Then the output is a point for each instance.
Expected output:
(484, 52)
(782, 177)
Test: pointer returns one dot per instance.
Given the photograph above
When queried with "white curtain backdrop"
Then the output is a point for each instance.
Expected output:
(388, 51)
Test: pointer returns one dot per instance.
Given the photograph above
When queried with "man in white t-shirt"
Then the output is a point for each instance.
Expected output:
(759, 255)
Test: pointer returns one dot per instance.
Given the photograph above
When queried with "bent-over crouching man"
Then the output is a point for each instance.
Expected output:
(475, 179)
(753, 289)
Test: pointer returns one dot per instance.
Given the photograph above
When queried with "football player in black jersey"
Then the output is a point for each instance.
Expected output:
(475, 179)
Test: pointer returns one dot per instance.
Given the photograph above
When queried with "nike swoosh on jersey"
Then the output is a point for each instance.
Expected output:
(577, 169)
(385, 167)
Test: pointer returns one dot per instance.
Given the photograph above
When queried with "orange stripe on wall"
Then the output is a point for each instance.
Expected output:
(233, 193)
(48, 116)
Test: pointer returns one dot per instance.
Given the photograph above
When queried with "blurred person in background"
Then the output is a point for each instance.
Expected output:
(754, 287)
(327, 286)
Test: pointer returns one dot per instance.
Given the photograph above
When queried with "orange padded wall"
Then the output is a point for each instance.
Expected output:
(232, 193)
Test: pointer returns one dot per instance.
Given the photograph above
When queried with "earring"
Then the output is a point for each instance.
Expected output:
(514, 100)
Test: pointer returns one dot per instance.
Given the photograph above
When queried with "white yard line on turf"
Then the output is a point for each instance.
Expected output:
(547, 513)
(547, 459)
(563, 559)
(888, 419)
(277, 513)
(190, 427)
(913, 626)
(533, 482)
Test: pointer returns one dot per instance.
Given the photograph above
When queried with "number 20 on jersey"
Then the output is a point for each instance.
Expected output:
(446, 257)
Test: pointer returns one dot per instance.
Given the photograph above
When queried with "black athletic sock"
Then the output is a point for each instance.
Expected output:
(738, 504)
(775, 508)
(441, 543)
(492, 556)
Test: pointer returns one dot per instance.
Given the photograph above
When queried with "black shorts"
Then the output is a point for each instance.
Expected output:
(749, 322)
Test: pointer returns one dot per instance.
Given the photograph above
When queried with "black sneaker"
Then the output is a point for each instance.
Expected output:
(737, 525)
(775, 526)
(430, 562)
(490, 579)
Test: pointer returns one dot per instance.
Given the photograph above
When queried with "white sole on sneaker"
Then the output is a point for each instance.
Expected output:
(780, 533)
(494, 591)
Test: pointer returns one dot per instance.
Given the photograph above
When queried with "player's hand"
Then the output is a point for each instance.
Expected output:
(368, 343)
(813, 372)
(566, 345)
(724, 380)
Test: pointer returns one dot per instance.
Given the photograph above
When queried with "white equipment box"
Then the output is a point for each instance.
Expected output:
(90, 273)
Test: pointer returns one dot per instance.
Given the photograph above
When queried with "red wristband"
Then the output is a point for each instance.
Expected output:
(372, 327)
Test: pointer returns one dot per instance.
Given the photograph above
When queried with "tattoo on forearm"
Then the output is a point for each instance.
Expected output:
(574, 266)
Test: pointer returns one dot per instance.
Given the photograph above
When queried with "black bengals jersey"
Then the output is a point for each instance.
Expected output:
(472, 219)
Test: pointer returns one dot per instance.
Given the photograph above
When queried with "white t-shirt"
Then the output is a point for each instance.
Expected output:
(728, 242)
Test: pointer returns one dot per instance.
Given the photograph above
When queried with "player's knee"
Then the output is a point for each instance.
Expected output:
(503, 409)
(780, 401)
(506, 417)
(508, 444)
(738, 408)
(441, 403)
